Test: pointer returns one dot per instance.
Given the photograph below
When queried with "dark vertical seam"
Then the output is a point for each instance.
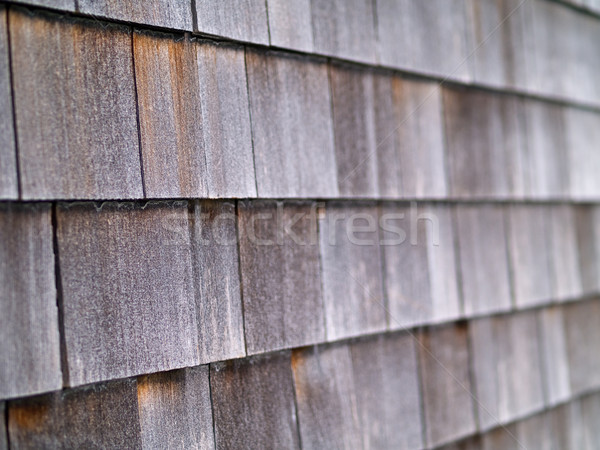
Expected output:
(250, 117)
(471, 370)
(457, 260)
(194, 17)
(59, 298)
(543, 360)
(332, 114)
(383, 277)
(321, 277)
(376, 31)
(295, 401)
(268, 22)
(12, 99)
(137, 115)
(239, 261)
(506, 213)
(6, 423)
(76, 5)
(445, 148)
(192, 205)
(416, 338)
(212, 406)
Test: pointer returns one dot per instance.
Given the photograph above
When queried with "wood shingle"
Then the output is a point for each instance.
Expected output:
(8, 158)
(290, 24)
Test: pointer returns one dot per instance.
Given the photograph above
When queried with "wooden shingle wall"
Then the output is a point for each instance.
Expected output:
(300, 224)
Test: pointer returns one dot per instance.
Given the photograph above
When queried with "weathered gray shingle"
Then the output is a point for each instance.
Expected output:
(546, 151)
(447, 391)
(242, 20)
(354, 106)
(198, 144)
(345, 28)
(583, 134)
(590, 410)
(483, 260)
(8, 157)
(554, 355)
(351, 270)
(582, 330)
(529, 254)
(420, 275)
(128, 299)
(505, 355)
(99, 416)
(290, 24)
(588, 246)
(30, 350)
(68, 5)
(485, 144)
(292, 126)
(564, 256)
(495, 34)
(253, 403)
(77, 139)
(175, 409)
(279, 255)
(160, 13)
(217, 283)
(425, 36)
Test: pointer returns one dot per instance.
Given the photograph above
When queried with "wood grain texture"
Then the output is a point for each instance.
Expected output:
(292, 126)
(420, 277)
(30, 350)
(590, 410)
(175, 409)
(587, 218)
(290, 24)
(582, 327)
(160, 13)
(426, 36)
(529, 254)
(77, 139)
(505, 355)
(9, 188)
(279, 256)
(553, 346)
(359, 395)
(445, 384)
(242, 20)
(495, 35)
(217, 282)
(198, 144)
(564, 253)
(99, 416)
(128, 295)
(345, 28)
(354, 106)
(583, 134)
(253, 403)
(351, 270)
(546, 151)
(482, 248)
(485, 144)
(67, 5)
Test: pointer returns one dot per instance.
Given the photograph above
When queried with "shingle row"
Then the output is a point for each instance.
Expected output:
(401, 390)
(178, 117)
(140, 288)
(503, 43)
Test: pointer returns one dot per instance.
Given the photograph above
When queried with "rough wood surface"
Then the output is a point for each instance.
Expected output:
(420, 276)
(481, 242)
(554, 355)
(198, 144)
(292, 127)
(217, 281)
(175, 409)
(68, 5)
(290, 24)
(128, 296)
(354, 107)
(160, 13)
(99, 416)
(8, 158)
(345, 28)
(77, 139)
(242, 20)
(351, 270)
(424, 36)
(529, 254)
(253, 403)
(279, 255)
(445, 384)
(587, 218)
(564, 265)
(583, 134)
(485, 144)
(505, 355)
(30, 350)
